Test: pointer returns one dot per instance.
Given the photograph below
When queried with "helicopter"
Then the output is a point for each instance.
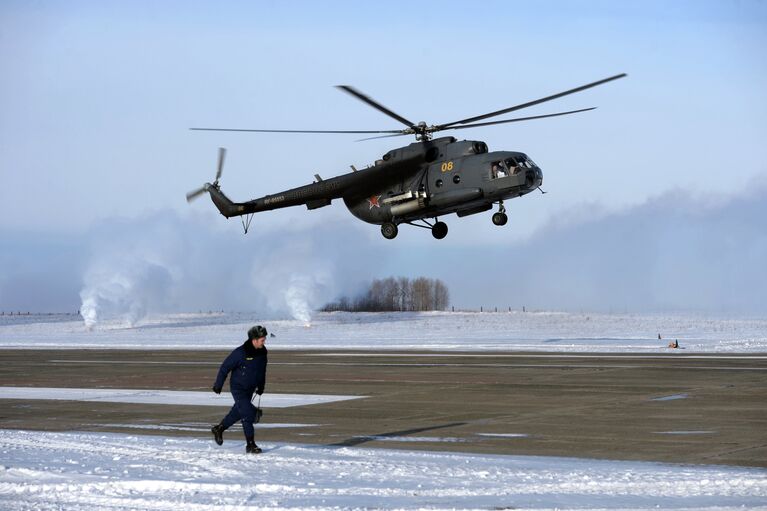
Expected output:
(415, 184)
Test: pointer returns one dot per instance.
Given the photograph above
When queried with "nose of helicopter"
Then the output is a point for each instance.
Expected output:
(534, 177)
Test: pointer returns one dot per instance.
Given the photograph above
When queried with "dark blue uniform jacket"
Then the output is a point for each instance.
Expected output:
(248, 367)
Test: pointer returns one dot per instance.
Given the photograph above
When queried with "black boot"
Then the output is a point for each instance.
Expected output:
(251, 447)
(218, 433)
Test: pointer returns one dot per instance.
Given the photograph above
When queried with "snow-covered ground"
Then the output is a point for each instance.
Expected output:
(536, 331)
(79, 471)
(90, 471)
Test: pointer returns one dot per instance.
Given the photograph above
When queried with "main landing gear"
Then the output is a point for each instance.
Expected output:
(389, 230)
(500, 218)
(439, 230)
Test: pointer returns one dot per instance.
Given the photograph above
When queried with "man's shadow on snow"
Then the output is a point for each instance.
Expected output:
(358, 440)
(362, 439)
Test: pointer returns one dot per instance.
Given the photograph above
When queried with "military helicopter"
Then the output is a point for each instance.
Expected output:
(415, 184)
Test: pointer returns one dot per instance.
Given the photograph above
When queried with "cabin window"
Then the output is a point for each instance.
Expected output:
(498, 169)
(438, 183)
(480, 148)
(456, 179)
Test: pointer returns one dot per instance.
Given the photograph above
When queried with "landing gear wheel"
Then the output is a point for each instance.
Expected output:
(500, 218)
(389, 230)
(439, 230)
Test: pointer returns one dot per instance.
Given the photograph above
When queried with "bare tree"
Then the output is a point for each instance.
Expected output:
(422, 294)
(376, 294)
(397, 294)
(405, 294)
(441, 295)
(389, 294)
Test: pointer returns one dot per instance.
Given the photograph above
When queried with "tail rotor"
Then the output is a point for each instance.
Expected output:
(204, 188)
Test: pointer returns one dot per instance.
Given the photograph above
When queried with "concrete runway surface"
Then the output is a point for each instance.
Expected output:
(678, 407)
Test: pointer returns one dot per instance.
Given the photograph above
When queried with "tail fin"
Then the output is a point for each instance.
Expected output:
(224, 204)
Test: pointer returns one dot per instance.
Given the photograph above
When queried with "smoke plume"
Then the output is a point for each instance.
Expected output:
(127, 286)
(165, 263)
(293, 278)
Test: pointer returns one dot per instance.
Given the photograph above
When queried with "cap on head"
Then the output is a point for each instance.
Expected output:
(256, 332)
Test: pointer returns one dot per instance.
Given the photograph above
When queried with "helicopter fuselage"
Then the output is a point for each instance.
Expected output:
(459, 177)
(423, 180)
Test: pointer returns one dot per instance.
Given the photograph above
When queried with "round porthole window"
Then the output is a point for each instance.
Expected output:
(456, 179)
(438, 183)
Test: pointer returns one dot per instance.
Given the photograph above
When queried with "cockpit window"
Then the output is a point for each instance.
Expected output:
(516, 163)
(510, 166)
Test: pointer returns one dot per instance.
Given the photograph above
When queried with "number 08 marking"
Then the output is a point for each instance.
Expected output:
(447, 166)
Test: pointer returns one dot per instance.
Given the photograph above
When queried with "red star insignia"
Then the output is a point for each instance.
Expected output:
(373, 201)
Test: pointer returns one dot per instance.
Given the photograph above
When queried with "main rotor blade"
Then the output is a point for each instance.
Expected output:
(221, 156)
(528, 104)
(378, 106)
(295, 131)
(518, 119)
(384, 136)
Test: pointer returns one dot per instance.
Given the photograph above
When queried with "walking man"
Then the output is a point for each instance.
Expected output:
(248, 367)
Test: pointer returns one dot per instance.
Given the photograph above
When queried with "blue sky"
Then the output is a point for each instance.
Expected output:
(96, 99)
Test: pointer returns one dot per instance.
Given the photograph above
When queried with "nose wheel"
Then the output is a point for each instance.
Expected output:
(500, 218)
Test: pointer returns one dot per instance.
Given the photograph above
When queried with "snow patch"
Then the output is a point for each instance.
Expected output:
(205, 428)
(673, 397)
(505, 435)
(163, 397)
(685, 432)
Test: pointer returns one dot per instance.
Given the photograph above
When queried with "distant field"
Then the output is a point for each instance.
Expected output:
(465, 331)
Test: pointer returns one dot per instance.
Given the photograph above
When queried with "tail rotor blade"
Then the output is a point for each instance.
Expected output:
(196, 193)
(221, 157)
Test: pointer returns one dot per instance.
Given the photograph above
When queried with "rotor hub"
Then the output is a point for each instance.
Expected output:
(422, 132)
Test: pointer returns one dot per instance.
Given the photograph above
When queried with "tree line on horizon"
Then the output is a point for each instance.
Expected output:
(398, 294)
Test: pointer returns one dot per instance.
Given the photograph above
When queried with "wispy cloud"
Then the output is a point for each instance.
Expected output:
(675, 251)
